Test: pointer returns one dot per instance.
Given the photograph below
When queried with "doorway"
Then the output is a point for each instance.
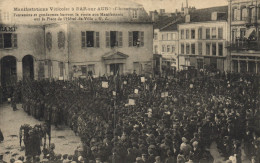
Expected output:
(116, 68)
(28, 68)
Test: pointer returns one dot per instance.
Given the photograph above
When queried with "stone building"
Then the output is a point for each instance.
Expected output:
(115, 39)
(244, 47)
(203, 39)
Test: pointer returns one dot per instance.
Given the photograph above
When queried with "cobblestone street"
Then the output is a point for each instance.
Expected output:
(10, 121)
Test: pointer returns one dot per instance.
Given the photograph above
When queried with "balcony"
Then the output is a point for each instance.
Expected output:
(244, 46)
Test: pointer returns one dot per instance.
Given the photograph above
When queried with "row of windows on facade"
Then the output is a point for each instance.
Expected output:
(8, 40)
(165, 36)
(210, 33)
(113, 39)
(165, 48)
(211, 49)
(243, 13)
(85, 69)
(241, 34)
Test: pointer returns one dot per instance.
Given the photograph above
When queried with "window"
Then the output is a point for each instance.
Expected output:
(187, 34)
(193, 49)
(187, 48)
(173, 49)
(220, 33)
(91, 70)
(114, 39)
(220, 49)
(207, 48)
(164, 36)
(234, 35)
(242, 32)
(207, 33)
(163, 48)
(135, 14)
(200, 33)
(193, 34)
(214, 49)
(156, 49)
(136, 38)
(84, 70)
(244, 13)
(49, 41)
(200, 48)
(182, 48)
(89, 39)
(168, 48)
(172, 36)
(155, 36)
(200, 63)
(234, 14)
(61, 65)
(214, 33)
(169, 36)
(182, 34)
(61, 40)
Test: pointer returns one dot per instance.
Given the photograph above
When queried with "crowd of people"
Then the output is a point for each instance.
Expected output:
(131, 118)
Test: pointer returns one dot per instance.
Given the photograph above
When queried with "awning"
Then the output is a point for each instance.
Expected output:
(250, 32)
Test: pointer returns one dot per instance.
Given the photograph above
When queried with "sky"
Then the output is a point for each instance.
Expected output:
(149, 5)
(171, 5)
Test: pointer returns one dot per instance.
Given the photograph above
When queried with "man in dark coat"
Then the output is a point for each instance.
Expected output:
(1, 136)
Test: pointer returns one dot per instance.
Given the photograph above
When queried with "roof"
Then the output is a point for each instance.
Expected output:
(202, 15)
(173, 26)
(164, 21)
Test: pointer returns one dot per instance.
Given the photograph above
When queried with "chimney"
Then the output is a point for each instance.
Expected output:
(187, 18)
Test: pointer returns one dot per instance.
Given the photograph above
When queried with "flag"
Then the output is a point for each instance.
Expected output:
(131, 102)
(142, 79)
(104, 84)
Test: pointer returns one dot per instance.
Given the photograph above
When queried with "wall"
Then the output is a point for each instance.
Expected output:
(93, 55)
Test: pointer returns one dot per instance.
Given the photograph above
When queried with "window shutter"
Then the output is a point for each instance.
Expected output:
(14, 40)
(107, 39)
(1, 41)
(97, 39)
(142, 39)
(120, 39)
(130, 38)
(83, 39)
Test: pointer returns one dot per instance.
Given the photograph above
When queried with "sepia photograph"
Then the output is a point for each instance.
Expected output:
(129, 81)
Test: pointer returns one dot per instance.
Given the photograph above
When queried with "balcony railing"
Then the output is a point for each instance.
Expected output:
(244, 46)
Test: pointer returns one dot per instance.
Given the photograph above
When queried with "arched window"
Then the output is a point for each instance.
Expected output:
(48, 41)
(61, 40)
(244, 13)
(234, 13)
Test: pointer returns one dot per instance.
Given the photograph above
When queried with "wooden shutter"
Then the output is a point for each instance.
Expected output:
(141, 38)
(97, 39)
(14, 40)
(107, 39)
(1, 41)
(120, 39)
(130, 38)
(83, 39)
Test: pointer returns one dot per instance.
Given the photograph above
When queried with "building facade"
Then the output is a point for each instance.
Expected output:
(76, 48)
(203, 39)
(244, 19)
(166, 44)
